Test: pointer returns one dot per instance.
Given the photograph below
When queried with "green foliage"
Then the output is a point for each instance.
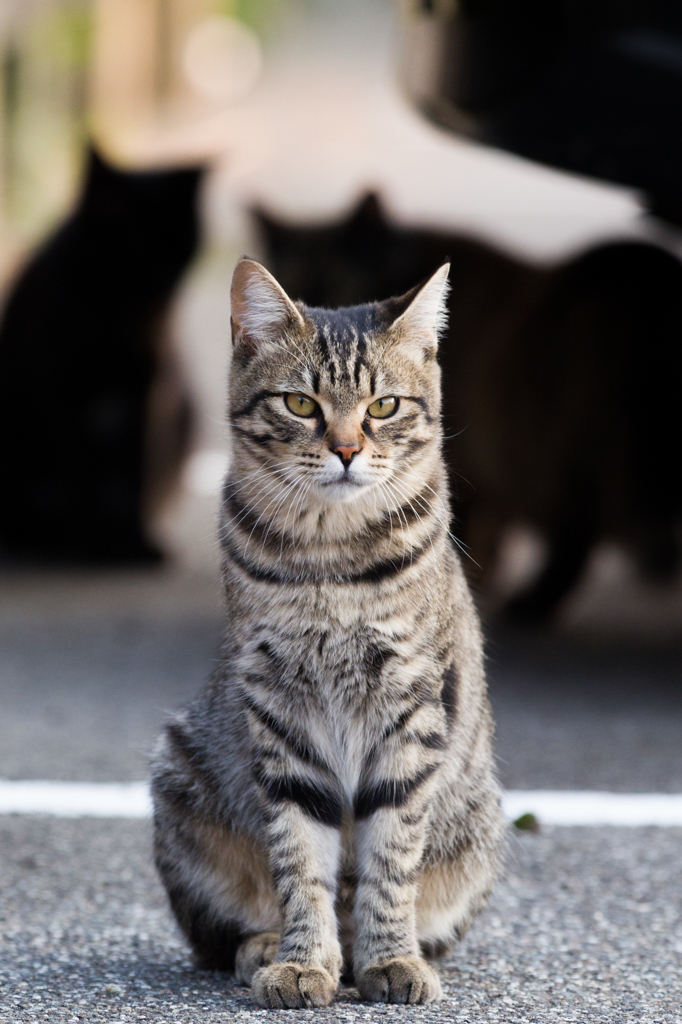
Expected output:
(527, 823)
(45, 98)
(263, 15)
(258, 14)
(64, 34)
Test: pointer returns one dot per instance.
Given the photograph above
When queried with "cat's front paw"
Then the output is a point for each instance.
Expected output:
(255, 952)
(292, 986)
(404, 979)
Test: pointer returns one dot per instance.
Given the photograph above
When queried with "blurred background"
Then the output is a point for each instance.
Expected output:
(145, 145)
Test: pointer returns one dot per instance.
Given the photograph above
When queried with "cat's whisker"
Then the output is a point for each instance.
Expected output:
(277, 501)
(422, 502)
(303, 487)
(298, 500)
(451, 437)
(420, 518)
(231, 524)
(444, 519)
(277, 469)
(309, 363)
(460, 544)
(249, 508)
(387, 508)
(387, 504)
(214, 419)
(441, 517)
(264, 472)
(302, 358)
(273, 515)
(408, 533)
(254, 499)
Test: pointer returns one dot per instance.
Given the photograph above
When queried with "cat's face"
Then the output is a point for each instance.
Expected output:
(334, 403)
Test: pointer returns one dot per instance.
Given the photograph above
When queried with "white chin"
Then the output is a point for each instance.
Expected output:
(342, 489)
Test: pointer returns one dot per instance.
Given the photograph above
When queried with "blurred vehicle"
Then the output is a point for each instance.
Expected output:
(591, 87)
(560, 385)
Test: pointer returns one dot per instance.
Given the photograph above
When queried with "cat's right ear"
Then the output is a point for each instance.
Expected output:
(425, 318)
(261, 310)
(368, 212)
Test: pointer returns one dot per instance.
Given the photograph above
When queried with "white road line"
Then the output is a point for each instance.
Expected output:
(76, 799)
(551, 807)
(586, 807)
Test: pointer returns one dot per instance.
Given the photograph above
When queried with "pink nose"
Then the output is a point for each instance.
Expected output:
(346, 452)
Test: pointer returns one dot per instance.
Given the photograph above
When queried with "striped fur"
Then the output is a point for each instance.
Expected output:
(330, 796)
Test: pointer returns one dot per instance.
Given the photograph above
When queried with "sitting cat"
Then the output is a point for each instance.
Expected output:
(330, 796)
(559, 385)
(93, 413)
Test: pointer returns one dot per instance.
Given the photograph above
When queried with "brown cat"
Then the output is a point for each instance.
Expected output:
(330, 796)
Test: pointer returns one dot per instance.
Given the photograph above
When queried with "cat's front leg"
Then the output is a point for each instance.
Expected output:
(304, 857)
(390, 832)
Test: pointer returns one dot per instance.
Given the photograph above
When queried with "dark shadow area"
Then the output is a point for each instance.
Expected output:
(94, 413)
(587, 713)
(560, 386)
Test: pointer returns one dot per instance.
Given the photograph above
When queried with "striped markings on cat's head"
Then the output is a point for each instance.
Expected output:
(344, 399)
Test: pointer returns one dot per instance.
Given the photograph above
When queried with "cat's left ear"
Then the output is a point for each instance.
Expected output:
(261, 309)
(421, 324)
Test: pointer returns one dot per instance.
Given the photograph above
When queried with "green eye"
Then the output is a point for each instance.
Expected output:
(301, 405)
(382, 408)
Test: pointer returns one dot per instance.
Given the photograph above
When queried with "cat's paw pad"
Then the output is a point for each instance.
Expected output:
(255, 952)
(405, 979)
(292, 986)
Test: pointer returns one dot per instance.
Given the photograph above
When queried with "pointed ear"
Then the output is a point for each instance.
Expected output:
(98, 169)
(368, 210)
(266, 223)
(426, 317)
(261, 310)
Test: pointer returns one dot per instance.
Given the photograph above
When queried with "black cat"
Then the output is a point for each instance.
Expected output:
(93, 416)
(560, 384)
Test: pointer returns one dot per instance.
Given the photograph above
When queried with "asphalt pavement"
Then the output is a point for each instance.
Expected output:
(585, 927)
(91, 665)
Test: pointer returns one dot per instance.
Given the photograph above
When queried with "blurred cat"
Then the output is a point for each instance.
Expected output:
(93, 413)
(560, 385)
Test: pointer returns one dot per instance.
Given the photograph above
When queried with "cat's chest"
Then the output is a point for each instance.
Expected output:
(338, 687)
(329, 665)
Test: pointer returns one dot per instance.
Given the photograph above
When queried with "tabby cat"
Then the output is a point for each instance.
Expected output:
(560, 385)
(329, 800)
(94, 414)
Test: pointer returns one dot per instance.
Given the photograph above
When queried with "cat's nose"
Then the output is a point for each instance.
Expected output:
(346, 452)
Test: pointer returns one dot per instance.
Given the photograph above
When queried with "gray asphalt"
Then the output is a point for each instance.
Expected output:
(90, 665)
(586, 927)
